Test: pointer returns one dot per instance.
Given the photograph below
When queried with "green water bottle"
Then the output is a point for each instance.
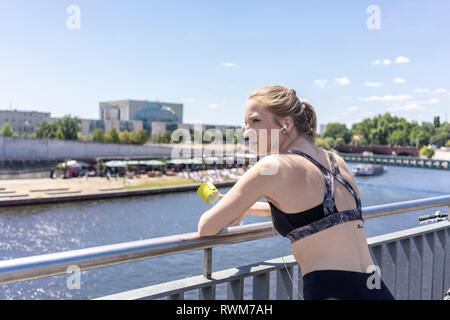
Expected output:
(208, 192)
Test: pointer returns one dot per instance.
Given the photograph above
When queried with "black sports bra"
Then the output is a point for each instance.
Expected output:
(295, 226)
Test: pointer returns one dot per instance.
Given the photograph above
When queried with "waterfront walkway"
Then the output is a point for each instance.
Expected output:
(35, 191)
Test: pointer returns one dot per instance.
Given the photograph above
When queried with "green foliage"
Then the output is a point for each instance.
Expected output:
(124, 137)
(7, 130)
(141, 136)
(59, 134)
(388, 129)
(155, 138)
(98, 136)
(426, 151)
(165, 138)
(338, 130)
(66, 128)
(324, 143)
(112, 136)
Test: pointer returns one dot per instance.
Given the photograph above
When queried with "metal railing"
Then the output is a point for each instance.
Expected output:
(397, 160)
(423, 251)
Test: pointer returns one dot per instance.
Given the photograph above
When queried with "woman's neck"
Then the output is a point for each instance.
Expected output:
(300, 143)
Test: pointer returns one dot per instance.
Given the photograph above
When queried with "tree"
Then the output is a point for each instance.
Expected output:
(7, 130)
(426, 151)
(98, 136)
(124, 137)
(398, 137)
(46, 130)
(112, 136)
(338, 130)
(324, 143)
(155, 138)
(142, 136)
(419, 137)
(133, 137)
(69, 127)
(166, 137)
(59, 134)
(437, 122)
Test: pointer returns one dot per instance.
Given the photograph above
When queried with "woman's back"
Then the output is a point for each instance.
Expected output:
(342, 246)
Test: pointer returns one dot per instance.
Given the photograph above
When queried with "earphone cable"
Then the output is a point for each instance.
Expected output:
(287, 271)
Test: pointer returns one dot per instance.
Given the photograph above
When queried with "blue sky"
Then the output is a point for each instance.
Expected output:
(210, 55)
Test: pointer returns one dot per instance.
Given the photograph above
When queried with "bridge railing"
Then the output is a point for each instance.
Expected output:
(397, 160)
(413, 262)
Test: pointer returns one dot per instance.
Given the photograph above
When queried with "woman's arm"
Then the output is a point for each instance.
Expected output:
(248, 189)
(261, 209)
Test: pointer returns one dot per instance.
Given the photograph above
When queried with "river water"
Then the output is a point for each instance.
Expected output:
(40, 229)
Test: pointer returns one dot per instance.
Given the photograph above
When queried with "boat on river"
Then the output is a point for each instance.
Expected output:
(368, 169)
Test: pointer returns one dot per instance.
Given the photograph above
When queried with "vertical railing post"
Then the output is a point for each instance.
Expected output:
(261, 284)
(284, 283)
(207, 263)
(235, 289)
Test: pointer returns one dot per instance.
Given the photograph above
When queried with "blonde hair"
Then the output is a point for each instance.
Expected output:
(283, 102)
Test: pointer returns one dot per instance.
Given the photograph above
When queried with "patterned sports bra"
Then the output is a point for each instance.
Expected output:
(295, 226)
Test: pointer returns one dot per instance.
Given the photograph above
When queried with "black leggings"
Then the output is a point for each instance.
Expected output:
(344, 285)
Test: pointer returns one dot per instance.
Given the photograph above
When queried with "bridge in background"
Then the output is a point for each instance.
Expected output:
(380, 149)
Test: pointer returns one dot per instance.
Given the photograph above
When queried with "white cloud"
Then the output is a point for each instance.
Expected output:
(440, 90)
(430, 101)
(433, 100)
(399, 80)
(229, 64)
(213, 105)
(372, 84)
(378, 61)
(406, 107)
(422, 90)
(321, 83)
(366, 113)
(399, 97)
(352, 108)
(344, 81)
(401, 59)
(188, 99)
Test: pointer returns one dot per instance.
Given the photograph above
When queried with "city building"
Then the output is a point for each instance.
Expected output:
(156, 116)
(322, 128)
(124, 115)
(23, 121)
(133, 110)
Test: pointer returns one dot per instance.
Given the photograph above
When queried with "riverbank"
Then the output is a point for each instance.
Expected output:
(39, 191)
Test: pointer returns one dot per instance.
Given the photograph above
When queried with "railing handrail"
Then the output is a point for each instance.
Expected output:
(41, 266)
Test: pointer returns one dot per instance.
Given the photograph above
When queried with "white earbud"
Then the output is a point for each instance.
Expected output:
(283, 127)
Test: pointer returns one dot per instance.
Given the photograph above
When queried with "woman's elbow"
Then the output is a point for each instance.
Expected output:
(204, 230)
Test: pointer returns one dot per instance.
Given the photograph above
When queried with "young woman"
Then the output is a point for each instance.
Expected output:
(311, 196)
